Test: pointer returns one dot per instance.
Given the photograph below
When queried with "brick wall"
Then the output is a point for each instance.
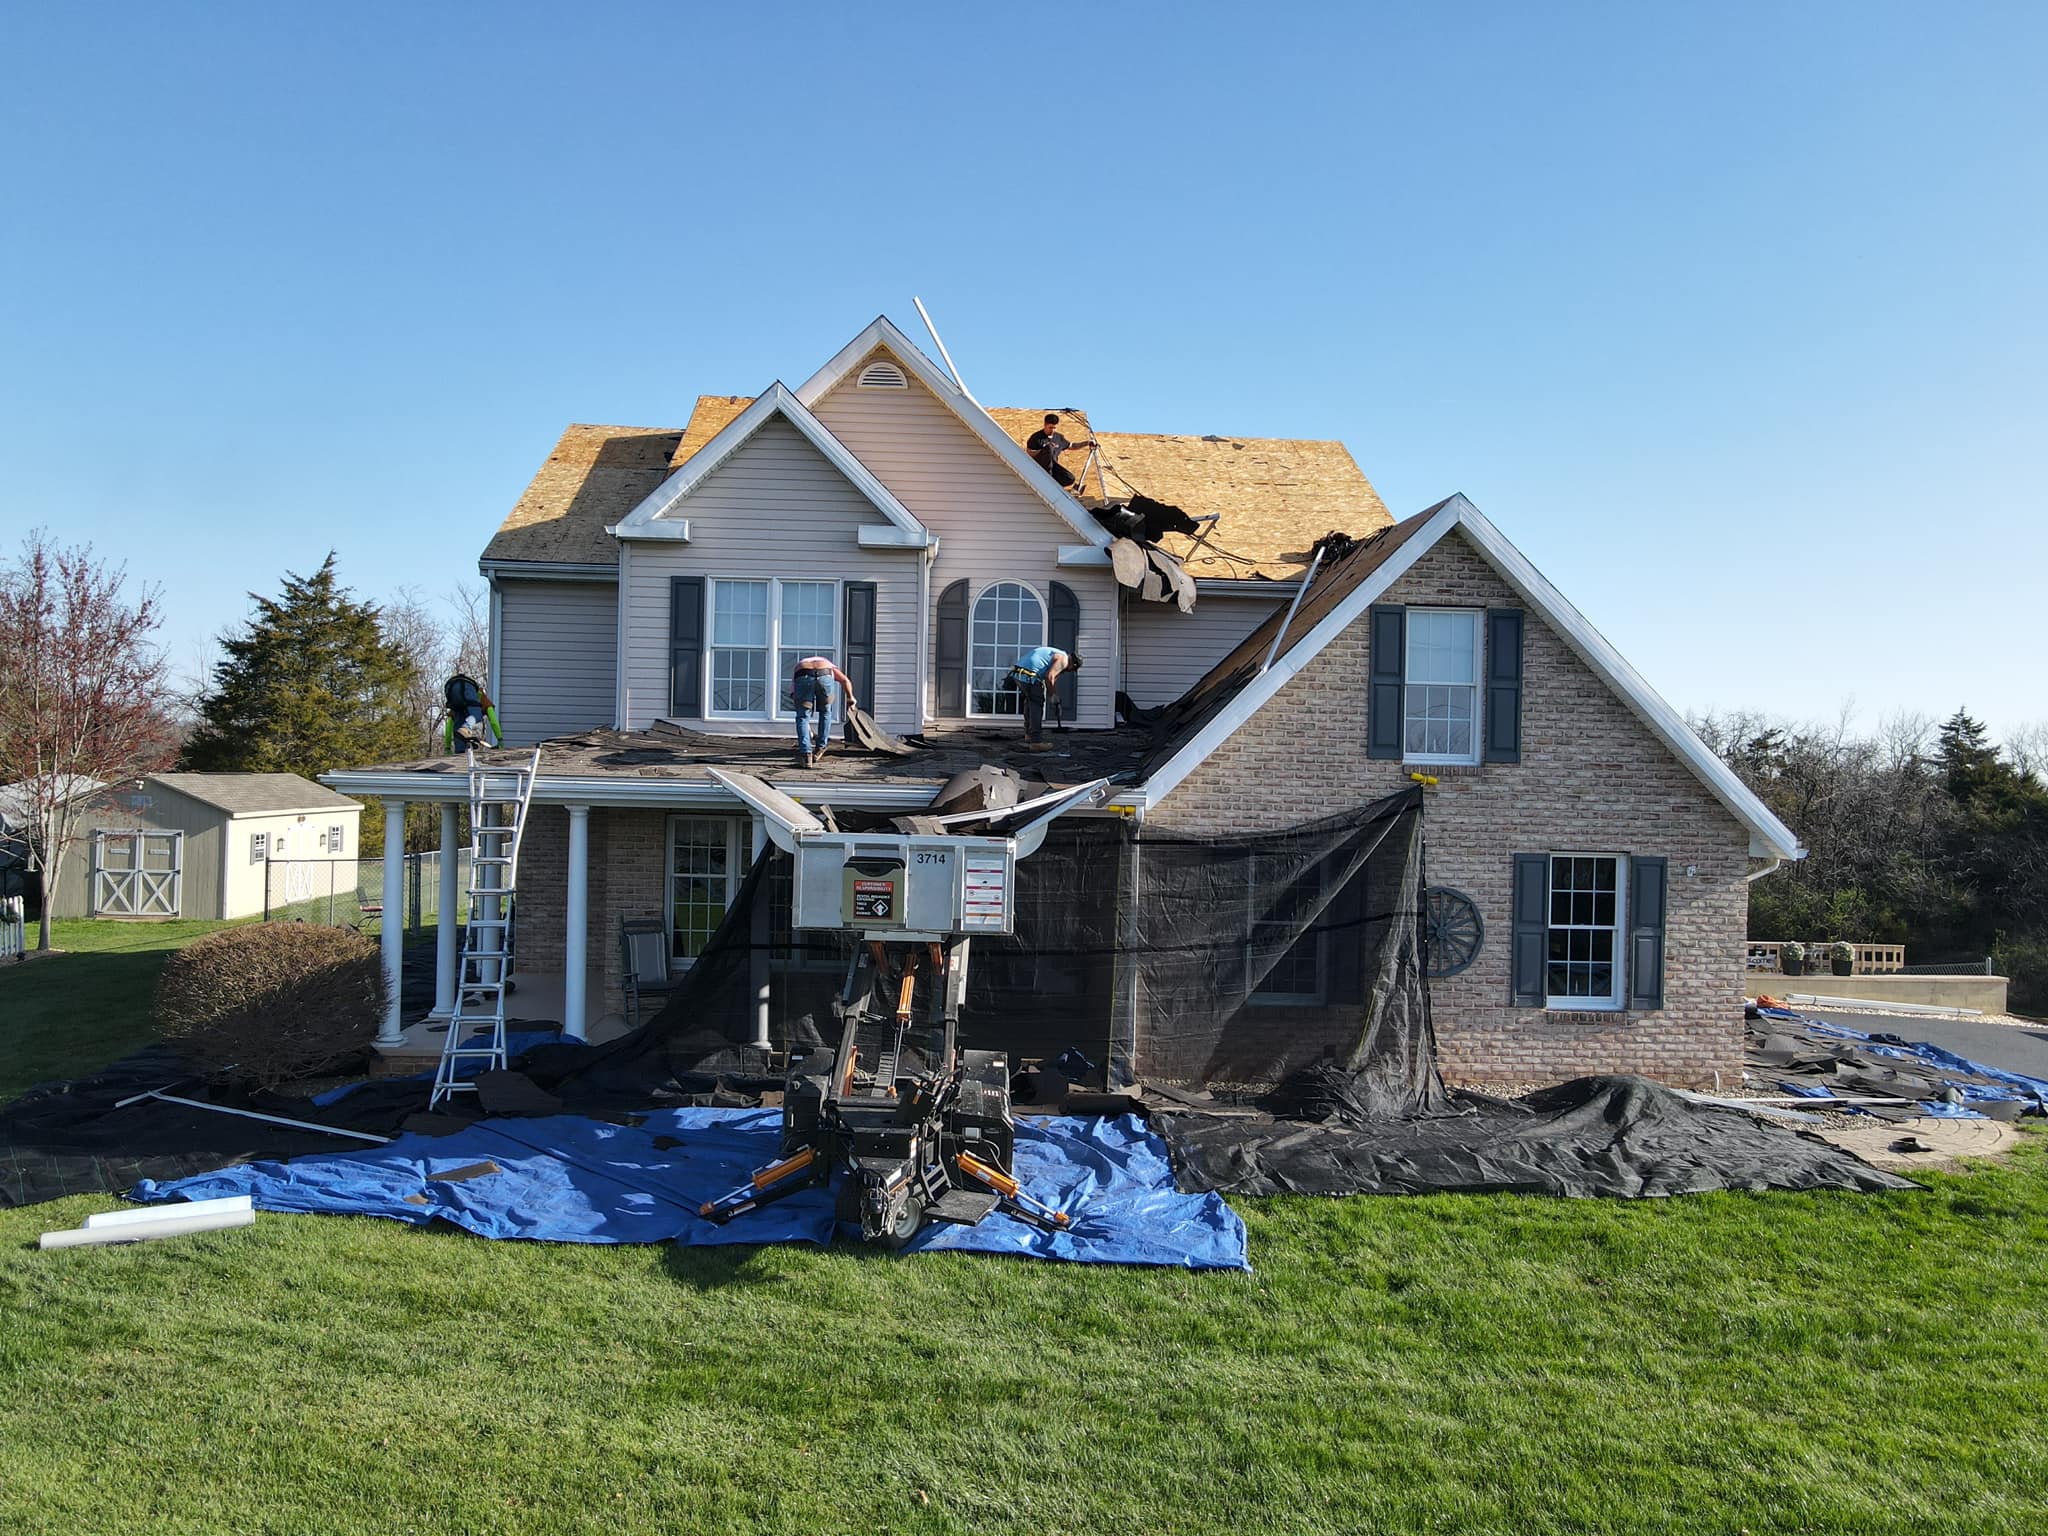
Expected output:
(1592, 779)
(628, 860)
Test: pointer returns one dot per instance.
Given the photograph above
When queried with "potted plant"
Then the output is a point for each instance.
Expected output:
(1792, 958)
(1842, 956)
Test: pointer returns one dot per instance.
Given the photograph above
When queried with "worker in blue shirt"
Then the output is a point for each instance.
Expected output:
(1034, 674)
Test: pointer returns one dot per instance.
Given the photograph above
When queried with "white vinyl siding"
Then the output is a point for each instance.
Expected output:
(775, 508)
(1166, 652)
(557, 656)
(990, 524)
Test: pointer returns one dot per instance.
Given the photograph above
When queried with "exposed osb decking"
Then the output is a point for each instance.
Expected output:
(1275, 496)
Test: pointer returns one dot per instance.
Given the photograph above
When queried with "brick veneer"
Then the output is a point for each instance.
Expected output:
(1592, 779)
(628, 859)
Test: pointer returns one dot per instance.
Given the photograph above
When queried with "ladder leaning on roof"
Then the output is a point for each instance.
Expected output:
(498, 801)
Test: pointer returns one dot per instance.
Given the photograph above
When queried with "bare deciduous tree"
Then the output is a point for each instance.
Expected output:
(84, 691)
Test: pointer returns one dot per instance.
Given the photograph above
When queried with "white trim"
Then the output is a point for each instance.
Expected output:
(546, 570)
(775, 646)
(622, 690)
(631, 792)
(649, 520)
(1477, 686)
(1769, 837)
(1617, 999)
(738, 854)
(1084, 555)
(974, 596)
(494, 655)
(873, 536)
(882, 333)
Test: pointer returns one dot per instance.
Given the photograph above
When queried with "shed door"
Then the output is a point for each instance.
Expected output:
(137, 874)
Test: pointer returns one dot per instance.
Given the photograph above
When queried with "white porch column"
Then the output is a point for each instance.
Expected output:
(758, 934)
(574, 941)
(447, 927)
(394, 918)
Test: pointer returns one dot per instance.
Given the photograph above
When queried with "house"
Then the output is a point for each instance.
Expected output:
(203, 845)
(1588, 856)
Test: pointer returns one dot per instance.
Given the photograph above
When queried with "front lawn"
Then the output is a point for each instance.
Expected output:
(66, 1014)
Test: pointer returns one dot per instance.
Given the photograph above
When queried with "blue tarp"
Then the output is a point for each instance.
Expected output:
(2032, 1089)
(564, 1178)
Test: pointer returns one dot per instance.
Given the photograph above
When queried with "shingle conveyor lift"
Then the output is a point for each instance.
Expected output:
(920, 1132)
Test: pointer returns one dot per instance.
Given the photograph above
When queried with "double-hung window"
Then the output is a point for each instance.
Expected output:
(1441, 697)
(759, 630)
(1582, 951)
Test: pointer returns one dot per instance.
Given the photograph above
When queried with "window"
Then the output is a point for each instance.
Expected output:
(259, 847)
(763, 626)
(1441, 711)
(1278, 915)
(707, 858)
(1008, 621)
(336, 837)
(1582, 967)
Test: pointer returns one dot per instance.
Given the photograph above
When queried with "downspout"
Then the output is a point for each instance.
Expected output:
(1751, 879)
(925, 620)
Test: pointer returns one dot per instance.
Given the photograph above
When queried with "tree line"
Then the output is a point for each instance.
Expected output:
(315, 679)
(1935, 837)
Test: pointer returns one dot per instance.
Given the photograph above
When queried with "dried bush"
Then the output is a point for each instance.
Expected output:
(270, 1003)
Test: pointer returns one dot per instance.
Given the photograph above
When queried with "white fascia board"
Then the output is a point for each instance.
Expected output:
(1769, 837)
(1084, 554)
(629, 793)
(883, 333)
(1254, 694)
(875, 536)
(676, 529)
(547, 570)
(648, 520)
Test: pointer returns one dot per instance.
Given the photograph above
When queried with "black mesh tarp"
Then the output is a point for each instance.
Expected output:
(1155, 956)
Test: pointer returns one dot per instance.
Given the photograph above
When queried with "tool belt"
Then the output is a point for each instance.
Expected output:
(1019, 675)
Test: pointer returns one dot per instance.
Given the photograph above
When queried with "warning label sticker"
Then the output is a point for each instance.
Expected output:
(874, 901)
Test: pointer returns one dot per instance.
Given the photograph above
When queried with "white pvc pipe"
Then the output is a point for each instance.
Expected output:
(149, 1213)
(95, 1237)
(1881, 1005)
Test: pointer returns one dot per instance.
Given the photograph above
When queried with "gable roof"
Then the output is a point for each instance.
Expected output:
(256, 794)
(1234, 689)
(883, 335)
(650, 519)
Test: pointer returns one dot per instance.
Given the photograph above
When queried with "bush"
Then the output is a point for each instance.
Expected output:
(1792, 957)
(2024, 961)
(271, 1003)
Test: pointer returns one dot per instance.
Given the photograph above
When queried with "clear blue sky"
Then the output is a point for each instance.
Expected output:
(1731, 316)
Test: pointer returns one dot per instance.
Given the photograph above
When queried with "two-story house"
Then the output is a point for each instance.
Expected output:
(652, 587)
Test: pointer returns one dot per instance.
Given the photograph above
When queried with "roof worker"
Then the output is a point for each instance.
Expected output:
(811, 688)
(1046, 445)
(1033, 675)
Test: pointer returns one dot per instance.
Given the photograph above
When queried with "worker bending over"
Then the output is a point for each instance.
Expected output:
(1046, 445)
(811, 688)
(1034, 674)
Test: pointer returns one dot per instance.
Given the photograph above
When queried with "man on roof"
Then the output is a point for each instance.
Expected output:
(1033, 674)
(811, 688)
(1046, 445)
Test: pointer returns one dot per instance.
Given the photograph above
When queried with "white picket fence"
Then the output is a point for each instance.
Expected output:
(13, 929)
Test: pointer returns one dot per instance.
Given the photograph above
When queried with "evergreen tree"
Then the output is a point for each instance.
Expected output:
(311, 684)
(1970, 764)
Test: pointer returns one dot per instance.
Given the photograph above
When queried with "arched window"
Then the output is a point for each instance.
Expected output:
(1008, 621)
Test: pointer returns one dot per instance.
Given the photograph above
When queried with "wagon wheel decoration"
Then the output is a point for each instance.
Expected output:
(1452, 931)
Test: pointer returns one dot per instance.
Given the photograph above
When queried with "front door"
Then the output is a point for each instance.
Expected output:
(137, 874)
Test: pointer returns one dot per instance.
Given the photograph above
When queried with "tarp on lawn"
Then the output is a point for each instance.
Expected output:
(564, 1178)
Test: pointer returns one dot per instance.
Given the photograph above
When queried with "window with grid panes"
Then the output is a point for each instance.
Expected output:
(807, 623)
(1279, 908)
(739, 647)
(1008, 621)
(1582, 955)
(1441, 723)
(707, 859)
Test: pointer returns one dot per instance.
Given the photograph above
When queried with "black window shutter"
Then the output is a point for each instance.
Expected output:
(860, 640)
(1530, 929)
(1504, 685)
(1646, 933)
(686, 646)
(1388, 639)
(1065, 625)
(950, 657)
(1343, 923)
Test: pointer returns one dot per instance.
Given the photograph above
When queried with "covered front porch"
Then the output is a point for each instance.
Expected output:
(632, 827)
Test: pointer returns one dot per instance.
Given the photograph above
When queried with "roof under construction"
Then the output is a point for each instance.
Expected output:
(1273, 497)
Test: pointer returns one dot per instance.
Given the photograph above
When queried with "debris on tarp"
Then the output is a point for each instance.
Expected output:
(1593, 1136)
(1818, 1059)
(575, 1180)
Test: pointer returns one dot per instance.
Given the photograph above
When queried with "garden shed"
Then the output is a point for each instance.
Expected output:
(199, 844)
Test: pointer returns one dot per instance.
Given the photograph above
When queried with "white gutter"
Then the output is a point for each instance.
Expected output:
(1751, 879)
(625, 790)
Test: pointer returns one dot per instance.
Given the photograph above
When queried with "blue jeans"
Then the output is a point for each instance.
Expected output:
(813, 690)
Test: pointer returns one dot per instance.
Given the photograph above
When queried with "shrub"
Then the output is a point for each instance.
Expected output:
(1791, 956)
(1842, 949)
(271, 1003)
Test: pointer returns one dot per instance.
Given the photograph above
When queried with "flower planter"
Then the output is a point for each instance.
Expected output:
(1843, 967)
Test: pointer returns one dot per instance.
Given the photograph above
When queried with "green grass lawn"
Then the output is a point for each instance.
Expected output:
(1727, 1363)
(65, 1014)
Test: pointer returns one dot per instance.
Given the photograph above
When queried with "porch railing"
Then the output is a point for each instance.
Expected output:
(1871, 959)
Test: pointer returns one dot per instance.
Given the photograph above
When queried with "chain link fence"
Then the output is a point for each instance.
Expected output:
(349, 893)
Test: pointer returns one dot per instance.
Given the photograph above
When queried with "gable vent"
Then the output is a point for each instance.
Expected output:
(882, 376)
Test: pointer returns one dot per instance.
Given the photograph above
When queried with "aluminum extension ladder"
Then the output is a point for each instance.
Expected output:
(498, 801)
